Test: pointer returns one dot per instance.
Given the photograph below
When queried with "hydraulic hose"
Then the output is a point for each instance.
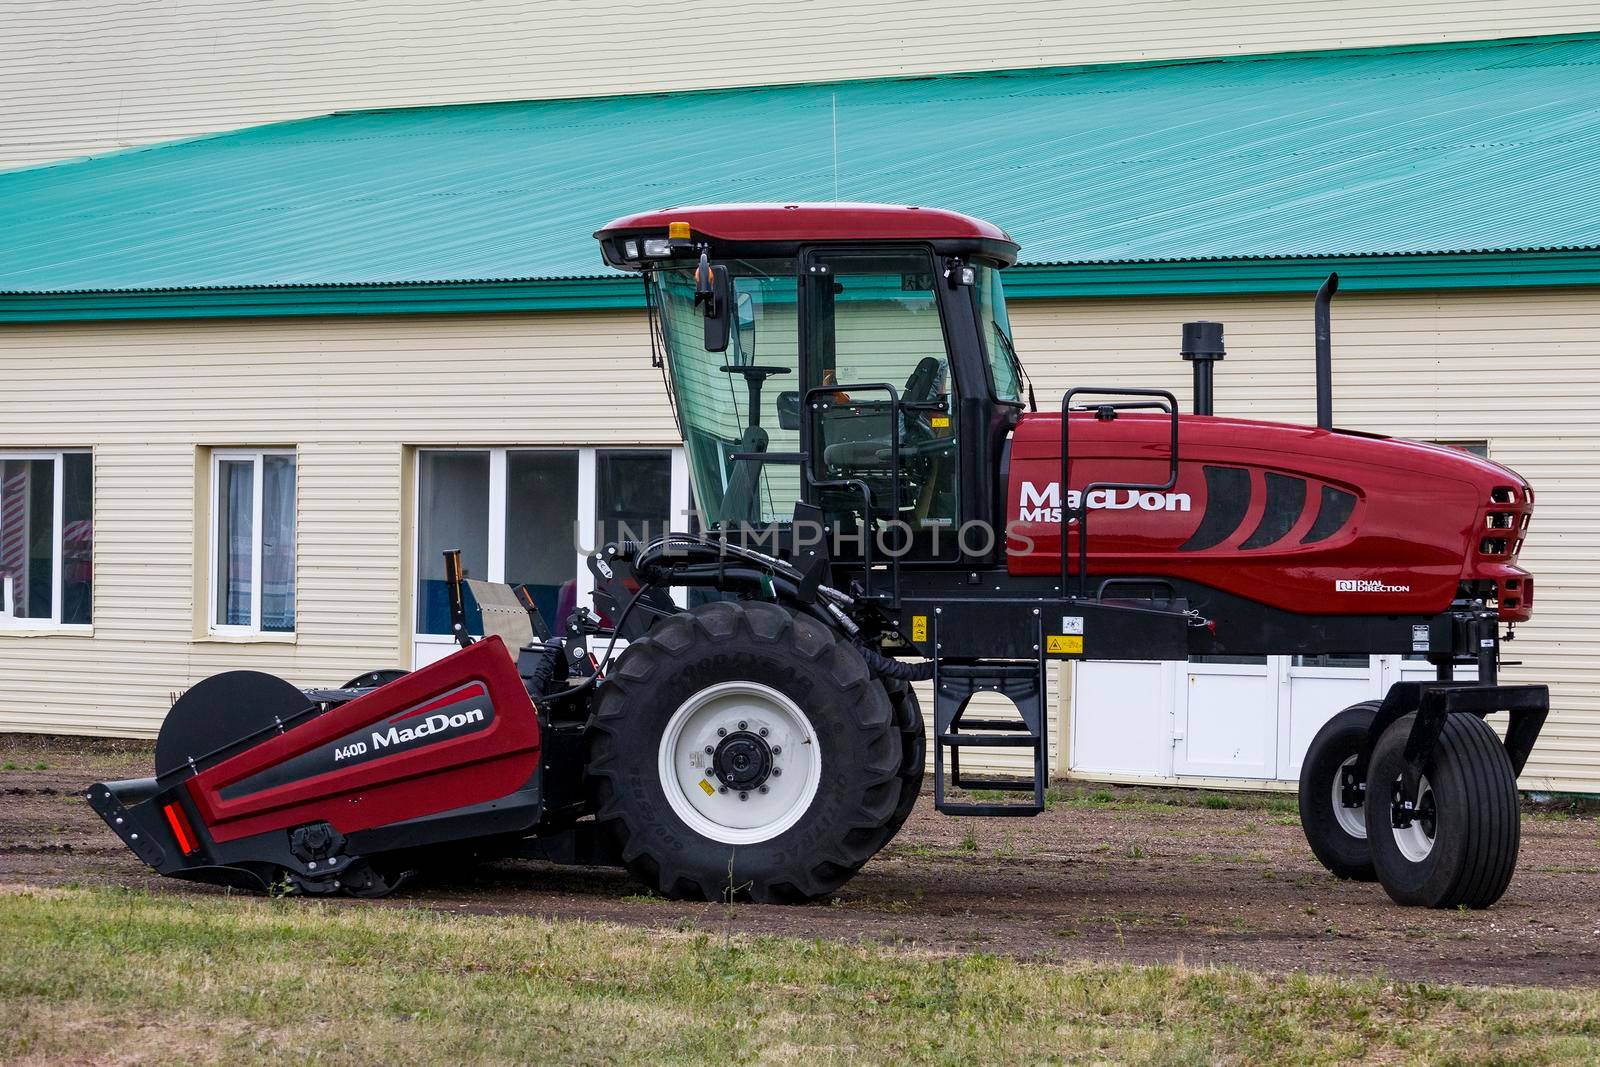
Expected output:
(899, 670)
(698, 561)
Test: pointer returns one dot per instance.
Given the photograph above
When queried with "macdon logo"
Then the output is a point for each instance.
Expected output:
(1362, 585)
(1044, 505)
(399, 735)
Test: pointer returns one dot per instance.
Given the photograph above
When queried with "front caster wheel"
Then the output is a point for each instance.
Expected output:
(739, 750)
(1454, 843)
(1333, 790)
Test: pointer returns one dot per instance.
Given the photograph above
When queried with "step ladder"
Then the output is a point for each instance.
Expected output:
(954, 687)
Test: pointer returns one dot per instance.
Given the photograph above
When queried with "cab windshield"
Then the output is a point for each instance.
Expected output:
(722, 433)
(995, 326)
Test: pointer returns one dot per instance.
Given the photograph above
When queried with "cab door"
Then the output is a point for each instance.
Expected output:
(880, 426)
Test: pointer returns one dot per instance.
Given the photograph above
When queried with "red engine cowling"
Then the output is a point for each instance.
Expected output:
(1306, 520)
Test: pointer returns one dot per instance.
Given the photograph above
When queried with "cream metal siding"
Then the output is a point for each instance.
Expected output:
(86, 76)
(350, 395)
(1519, 368)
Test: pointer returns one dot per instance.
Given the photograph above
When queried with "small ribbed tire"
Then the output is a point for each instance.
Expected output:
(1461, 848)
(913, 752)
(740, 751)
(1337, 834)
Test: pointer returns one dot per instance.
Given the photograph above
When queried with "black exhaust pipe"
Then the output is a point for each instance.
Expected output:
(1202, 346)
(1325, 352)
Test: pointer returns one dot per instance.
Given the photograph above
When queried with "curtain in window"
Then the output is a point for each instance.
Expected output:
(277, 544)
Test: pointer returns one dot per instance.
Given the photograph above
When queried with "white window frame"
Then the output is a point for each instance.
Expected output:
(257, 456)
(8, 621)
(587, 529)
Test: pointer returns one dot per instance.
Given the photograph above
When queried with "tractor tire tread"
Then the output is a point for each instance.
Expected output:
(648, 660)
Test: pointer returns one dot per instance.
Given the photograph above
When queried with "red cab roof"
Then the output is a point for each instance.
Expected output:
(815, 222)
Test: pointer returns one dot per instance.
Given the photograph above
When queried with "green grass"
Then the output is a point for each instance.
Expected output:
(1153, 800)
(103, 974)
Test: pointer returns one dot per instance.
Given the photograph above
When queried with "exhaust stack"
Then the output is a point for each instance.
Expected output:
(1324, 323)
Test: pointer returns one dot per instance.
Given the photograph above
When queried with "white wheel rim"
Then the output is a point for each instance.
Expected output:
(1352, 821)
(758, 726)
(1414, 841)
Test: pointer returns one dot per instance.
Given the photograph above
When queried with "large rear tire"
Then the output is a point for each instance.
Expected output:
(1337, 833)
(1460, 848)
(913, 752)
(740, 751)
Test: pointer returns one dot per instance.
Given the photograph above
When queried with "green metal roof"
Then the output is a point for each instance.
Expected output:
(1387, 152)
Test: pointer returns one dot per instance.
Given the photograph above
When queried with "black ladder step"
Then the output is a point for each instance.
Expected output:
(1003, 785)
(984, 671)
(989, 740)
(1021, 810)
(991, 724)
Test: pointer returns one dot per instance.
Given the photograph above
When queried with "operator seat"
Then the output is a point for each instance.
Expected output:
(870, 450)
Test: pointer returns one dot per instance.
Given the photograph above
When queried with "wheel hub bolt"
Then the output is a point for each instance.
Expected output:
(743, 795)
(710, 751)
(743, 725)
(776, 771)
(724, 789)
(763, 789)
(722, 731)
(763, 731)
(777, 750)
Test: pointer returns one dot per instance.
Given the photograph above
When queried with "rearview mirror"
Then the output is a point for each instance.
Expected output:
(719, 311)
(747, 328)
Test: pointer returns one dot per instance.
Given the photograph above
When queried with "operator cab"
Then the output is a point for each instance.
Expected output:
(852, 357)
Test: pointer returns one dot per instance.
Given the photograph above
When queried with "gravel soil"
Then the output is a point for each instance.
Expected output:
(1105, 873)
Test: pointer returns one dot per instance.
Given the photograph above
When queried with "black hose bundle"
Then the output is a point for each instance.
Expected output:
(699, 561)
(899, 670)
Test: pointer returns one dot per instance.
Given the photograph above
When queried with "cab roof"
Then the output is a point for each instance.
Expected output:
(803, 223)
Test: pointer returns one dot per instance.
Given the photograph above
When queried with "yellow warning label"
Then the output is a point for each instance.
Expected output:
(1068, 644)
(919, 628)
(707, 787)
(940, 422)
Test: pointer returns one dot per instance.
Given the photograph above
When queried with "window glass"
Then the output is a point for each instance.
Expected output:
(995, 326)
(277, 543)
(77, 539)
(235, 540)
(1333, 659)
(27, 537)
(452, 512)
(881, 325)
(713, 391)
(541, 525)
(633, 495)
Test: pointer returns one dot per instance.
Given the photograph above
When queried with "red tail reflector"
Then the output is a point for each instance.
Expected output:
(181, 829)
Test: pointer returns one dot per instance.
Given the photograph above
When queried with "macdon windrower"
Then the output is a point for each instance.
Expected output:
(878, 502)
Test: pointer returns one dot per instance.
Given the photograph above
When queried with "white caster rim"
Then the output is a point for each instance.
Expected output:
(739, 763)
(1352, 821)
(1416, 840)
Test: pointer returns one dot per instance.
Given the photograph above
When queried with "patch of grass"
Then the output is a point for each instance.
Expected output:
(1137, 852)
(1152, 799)
(8, 766)
(83, 972)
(969, 841)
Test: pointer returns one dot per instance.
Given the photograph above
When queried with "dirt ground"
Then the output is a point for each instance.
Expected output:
(1104, 874)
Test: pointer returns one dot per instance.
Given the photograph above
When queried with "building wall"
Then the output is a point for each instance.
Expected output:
(351, 394)
(87, 76)
(1519, 368)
